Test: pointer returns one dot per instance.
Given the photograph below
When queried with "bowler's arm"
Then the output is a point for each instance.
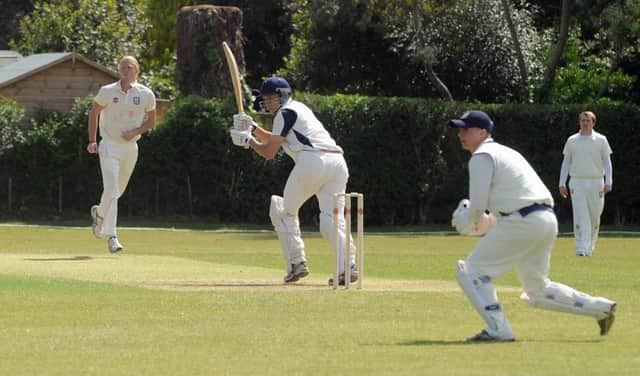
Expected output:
(92, 146)
(148, 123)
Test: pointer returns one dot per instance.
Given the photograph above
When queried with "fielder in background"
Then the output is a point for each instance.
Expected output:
(320, 170)
(124, 110)
(510, 205)
(587, 159)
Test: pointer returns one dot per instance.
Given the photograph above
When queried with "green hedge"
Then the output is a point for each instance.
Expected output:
(399, 151)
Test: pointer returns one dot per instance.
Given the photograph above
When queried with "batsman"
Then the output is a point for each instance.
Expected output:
(320, 169)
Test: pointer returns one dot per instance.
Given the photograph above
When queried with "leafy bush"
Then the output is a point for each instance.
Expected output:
(10, 133)
(400, 154)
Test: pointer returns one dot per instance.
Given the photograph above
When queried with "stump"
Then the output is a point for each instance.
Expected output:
(201, 67)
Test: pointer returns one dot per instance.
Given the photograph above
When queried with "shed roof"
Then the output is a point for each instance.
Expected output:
(35, 63)
(9, 57)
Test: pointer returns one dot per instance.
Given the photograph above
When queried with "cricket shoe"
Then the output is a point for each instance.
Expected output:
(485, 337)
(354, 277)
(96, 224)
(114, 245)
(606, 323)
(299, 270)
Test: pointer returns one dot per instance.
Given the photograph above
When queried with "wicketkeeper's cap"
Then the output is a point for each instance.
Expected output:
(473, 119)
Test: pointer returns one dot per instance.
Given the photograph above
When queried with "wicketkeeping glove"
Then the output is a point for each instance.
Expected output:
(461, 220)
(241, 137)
(243, 122)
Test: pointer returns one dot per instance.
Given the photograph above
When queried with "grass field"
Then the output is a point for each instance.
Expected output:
(212, 303)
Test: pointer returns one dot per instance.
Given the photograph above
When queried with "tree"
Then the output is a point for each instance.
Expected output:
(266, 29)
(471, 47)
(620, 33)
(341, 45)
(556, 55)
(524, 76)
(11, 11)
(101, 30)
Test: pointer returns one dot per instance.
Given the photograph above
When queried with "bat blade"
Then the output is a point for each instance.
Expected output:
(235, 76)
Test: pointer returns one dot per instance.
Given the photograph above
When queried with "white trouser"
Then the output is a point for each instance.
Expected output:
(526, 244)
(117, 162)
(587, 202)
(315, 173)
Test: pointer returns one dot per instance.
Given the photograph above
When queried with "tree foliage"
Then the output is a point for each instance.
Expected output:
(12, 10)
(102, 30)
(371, 47)
(10, 133)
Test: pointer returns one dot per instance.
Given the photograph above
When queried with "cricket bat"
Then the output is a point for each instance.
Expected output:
(235, 76)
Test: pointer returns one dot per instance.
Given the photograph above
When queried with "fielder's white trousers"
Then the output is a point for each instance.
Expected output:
(117, 162)
(523, 243)
(321, 174)
(587, 203)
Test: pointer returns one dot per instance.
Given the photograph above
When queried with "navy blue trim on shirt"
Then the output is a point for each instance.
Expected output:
(290, 117)
(302, 138)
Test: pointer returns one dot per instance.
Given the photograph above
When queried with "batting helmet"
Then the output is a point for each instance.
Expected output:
(276, 85)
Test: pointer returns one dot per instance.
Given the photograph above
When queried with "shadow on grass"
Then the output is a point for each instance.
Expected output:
(240, 285)
(428, 342)
(74, 258)
(434, 342)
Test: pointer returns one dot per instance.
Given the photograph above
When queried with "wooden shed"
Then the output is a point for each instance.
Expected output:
(52, 80)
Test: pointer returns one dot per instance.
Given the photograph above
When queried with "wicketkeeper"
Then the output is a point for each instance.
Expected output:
(320, 170)
(510, 205)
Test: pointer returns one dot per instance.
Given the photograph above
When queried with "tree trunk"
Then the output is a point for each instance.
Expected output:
(524, 76)
(440, 86)
(201, 67)
(556, 55)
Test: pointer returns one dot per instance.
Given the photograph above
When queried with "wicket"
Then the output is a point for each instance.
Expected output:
(347, 238)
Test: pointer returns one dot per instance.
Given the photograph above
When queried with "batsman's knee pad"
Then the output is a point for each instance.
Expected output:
(287, 227)
(562, 298)
(281, 220)
(276, 212)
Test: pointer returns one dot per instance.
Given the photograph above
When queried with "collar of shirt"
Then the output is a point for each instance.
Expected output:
(133, 85)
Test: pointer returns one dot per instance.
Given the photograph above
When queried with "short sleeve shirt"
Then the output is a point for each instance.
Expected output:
(123, 111)
(302, 130)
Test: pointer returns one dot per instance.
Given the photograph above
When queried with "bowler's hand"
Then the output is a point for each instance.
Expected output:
(92, 148)
(607, 188)
(564, 192)
(129, 135)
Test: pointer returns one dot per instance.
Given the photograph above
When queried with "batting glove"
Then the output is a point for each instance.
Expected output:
(243, 122)
(241, 137)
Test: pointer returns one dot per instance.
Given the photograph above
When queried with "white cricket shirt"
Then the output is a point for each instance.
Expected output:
(501, 180)
(587, 155)
(301, 130)
(123, 111)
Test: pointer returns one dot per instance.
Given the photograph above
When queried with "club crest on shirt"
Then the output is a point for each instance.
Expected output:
(116, 100)
(136, 100)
